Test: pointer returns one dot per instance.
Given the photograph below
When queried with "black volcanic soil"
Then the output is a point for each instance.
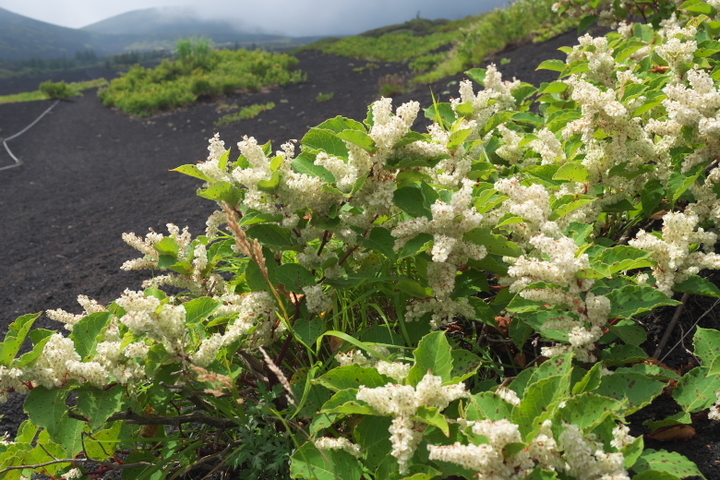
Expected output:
(91, 173)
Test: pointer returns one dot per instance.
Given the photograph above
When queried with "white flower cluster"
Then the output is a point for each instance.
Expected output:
(599, 56)
(587, 459)
(317, 301)
(566, 290)
(450, 222)
(579, 456)
(341, 443)
(395, 370)
(495, 97)
(675, 260)
(401, 402)
(89, 305)
(678, 45)
(256, 319)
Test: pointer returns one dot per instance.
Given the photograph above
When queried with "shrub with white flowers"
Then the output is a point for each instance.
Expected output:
(375, 302)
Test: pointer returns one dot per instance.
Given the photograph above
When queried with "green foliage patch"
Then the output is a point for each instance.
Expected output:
(198, 73)
(251, 111)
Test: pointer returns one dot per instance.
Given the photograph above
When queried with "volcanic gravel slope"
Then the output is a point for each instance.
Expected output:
(91, 173)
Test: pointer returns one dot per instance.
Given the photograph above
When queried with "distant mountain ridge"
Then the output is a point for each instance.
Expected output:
(174, 22)
(22, 37)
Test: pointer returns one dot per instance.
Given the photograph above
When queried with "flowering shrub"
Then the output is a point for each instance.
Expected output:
(391, 304)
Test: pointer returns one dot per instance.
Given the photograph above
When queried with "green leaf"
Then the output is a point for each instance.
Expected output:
(477, 75)
(199, 309)
(372, 436)
(636, 389)
(622, 258)
(679, 183)
(696, 391)
(415, 245)
(441, 113)
(553, 87)
(629, 332)
(193, 171)
(651, 196)
(706, 344)
(305, 163)
(699, 7)
(85, 332)
(573, 172)
(568, 204)
(47, 408)
(15, 337)
(538, 404)
(325, 140)
(432, 354)
(351, 407)
(411, 287)
(552, 64)
(353, 376)
(311, 463)
(99, 404)
(590, 380)
(271, 235)
(410, 137)
(586, 22)
(29, 357)
(495, 244)
(294, 277)
(339, 123)
(457, 138)
(309, 330)
(622, 354)
(412, 201)
(617, 207)
(588, 410)
(487, 406)
(664, 461)
(698, 285)
(221, 191)
(103, 444)
(633, 300)
(359, 138)
(381, 240)
(465, 364)
(432, 416)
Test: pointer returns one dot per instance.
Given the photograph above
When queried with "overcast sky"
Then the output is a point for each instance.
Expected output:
(292, 17)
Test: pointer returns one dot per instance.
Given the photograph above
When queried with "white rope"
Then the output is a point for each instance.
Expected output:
(19, 162)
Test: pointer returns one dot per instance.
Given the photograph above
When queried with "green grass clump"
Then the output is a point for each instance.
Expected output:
(245, 113)
(324, 97)
(73, 88)
(522, 20)
(57, 90)
(393, 47)
(173, 84)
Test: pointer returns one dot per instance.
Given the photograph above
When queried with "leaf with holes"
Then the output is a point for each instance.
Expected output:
(465, 364)
(696, 390)
(668, 462)
(588, 409)
(487, 406)
(633, 300)
(634, 388)
(706, 344)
